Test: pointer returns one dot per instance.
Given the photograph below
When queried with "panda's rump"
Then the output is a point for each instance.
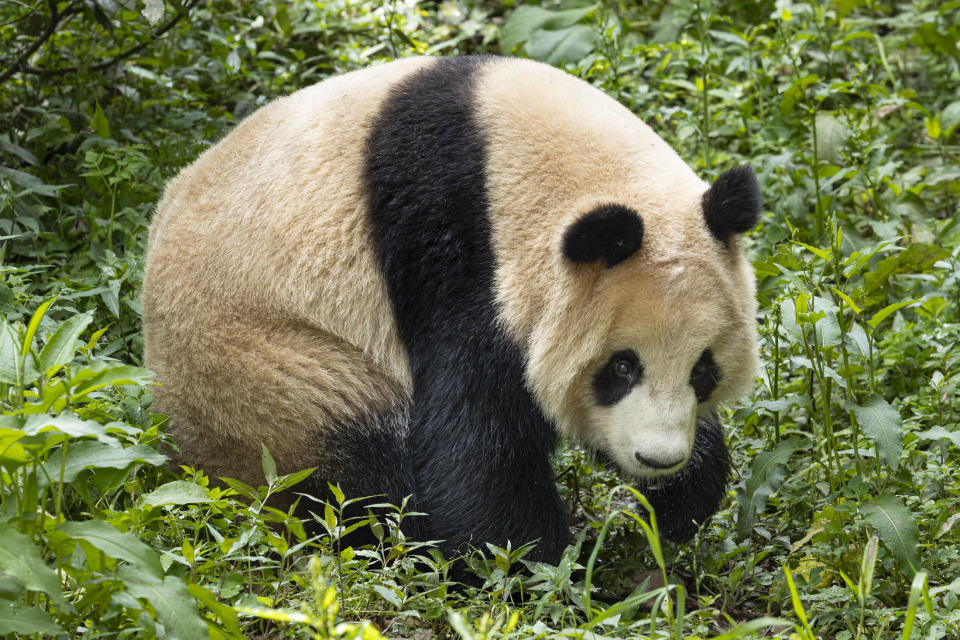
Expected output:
(297, 389)
(265, 312)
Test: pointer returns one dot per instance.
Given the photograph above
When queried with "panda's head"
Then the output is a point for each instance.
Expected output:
(657, 322)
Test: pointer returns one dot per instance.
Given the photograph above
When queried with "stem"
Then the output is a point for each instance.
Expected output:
(705, 80)
(776, 376)
(815, 165)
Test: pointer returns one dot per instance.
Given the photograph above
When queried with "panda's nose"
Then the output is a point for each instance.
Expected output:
(654, 463)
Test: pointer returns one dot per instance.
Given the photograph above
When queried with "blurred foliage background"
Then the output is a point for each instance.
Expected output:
(842, 520)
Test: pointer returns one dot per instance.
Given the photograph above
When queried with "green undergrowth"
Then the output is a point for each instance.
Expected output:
(842, 519)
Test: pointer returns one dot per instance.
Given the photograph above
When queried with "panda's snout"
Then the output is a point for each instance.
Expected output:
(656, 463)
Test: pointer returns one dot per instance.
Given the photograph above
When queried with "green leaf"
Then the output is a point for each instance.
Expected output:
(858, 337)
(521, 24)
(226, 613)
(21, 620)
(950, 117)
(12, 147)
(896, 528)
(929, 35)
(939, 433)
(748, 629)
(832, 136)
(389, 595)
(176, 492)
(782, 404)
(823, 254)
(268, 465)
(170, 598)
(20, 558)
(881, 315)
(100, 123)
(766, 475)
(97, 455)
(9, 353)
(61, 347)
(241, 488)
(33, 325)
(115, 375)
(571, 44)
(70, 424)
(917, 258)
(114, 543)
(882, 423)
(292, 479)
(847, 299)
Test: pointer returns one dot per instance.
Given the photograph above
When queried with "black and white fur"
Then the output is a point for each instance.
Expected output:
(413, 276)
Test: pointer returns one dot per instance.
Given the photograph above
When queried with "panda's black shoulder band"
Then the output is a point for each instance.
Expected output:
(611, 233)
(732, 204)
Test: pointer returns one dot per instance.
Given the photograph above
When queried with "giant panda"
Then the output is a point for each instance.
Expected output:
(414, 277)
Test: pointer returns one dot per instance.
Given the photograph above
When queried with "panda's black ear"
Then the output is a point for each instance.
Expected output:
(611, 233)
(732, 204)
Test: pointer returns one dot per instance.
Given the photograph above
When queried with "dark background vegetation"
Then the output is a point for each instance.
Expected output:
(842, 520)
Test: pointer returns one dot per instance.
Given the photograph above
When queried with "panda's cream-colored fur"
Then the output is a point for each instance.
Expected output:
(265, 315)
(267, 318)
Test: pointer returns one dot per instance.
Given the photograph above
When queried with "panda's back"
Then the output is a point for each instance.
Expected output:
(272, 221)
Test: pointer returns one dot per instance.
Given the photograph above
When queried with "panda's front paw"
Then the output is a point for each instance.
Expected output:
(685, 501)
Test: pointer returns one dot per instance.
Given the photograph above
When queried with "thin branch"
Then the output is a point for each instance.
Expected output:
(170, 24)
(24, 54)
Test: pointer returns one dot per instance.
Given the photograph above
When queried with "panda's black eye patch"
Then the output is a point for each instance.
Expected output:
(704, 376)
(615, 379)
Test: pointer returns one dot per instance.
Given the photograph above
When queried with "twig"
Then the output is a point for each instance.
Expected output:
(170, 24)
(29, 50)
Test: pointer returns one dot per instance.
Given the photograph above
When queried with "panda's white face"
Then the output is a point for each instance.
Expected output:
(644, 411)
(658, 340)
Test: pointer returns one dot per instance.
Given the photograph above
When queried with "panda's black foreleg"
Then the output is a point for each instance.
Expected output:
(482, 454)
(690, 498)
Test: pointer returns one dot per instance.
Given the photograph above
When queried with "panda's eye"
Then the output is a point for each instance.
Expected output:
(704, 376)
(614, 380)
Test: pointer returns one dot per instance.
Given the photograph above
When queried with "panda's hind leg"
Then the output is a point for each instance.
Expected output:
(313, 399)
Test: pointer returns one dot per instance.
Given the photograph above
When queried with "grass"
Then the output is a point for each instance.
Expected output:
(843, 519)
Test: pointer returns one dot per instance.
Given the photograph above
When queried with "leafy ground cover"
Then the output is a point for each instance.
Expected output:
(843, 519)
